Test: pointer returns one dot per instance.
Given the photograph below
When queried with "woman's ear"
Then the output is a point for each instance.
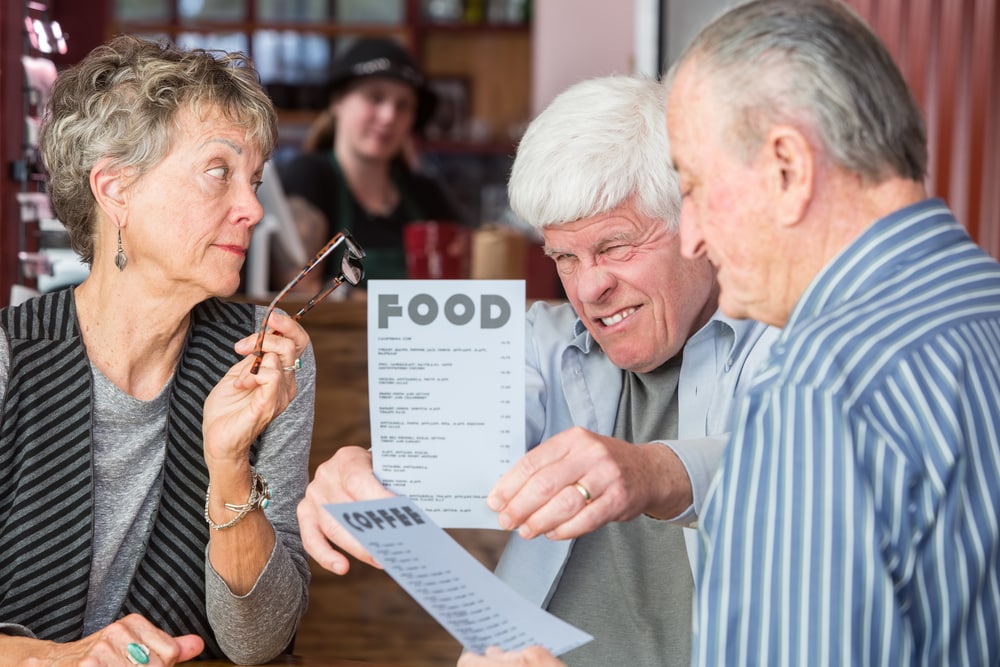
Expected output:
(110, 188)
(794, 159)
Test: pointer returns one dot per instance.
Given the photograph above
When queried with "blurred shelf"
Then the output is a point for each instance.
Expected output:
(473, 28)
(468, 147)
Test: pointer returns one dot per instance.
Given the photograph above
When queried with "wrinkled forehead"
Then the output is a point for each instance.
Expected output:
(205, 118)
(256, 121)
(688, 87)
(692, 115)
(623, 225)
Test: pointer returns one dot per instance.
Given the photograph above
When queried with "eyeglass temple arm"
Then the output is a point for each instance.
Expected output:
(322, 294)
(324, 251)
(319, 257)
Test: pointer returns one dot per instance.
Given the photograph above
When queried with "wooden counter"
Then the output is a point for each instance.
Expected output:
(339, 333)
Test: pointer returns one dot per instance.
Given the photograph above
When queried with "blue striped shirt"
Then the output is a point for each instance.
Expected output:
(855, 517)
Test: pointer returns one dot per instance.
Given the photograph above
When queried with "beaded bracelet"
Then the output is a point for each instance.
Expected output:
(260, 498)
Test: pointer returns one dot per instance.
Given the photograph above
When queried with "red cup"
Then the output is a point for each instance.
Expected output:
(436, 250)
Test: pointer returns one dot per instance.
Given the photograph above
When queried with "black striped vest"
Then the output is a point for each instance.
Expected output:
(46, 483)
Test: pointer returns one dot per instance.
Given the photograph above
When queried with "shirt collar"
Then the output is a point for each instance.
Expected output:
(874, 257)
(581, 336)
(731, 336)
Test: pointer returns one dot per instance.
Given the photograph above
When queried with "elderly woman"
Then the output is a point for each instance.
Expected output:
(136, 446)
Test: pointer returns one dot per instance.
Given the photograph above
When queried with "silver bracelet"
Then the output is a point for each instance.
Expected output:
(260, 498)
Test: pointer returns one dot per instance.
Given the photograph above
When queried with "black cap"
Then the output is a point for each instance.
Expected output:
(382, 57)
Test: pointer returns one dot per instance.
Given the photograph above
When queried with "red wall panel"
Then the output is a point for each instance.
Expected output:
(949, 52)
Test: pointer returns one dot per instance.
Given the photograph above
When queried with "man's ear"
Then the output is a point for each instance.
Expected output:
(794, 161)
(110, 188)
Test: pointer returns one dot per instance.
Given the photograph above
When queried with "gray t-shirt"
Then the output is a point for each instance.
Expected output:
(629, 584)
(129, 448)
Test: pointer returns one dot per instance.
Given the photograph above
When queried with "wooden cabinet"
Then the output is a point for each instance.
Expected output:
(476, 54)
(484, 44)
(481, 70)
(483, 60)
(496, 63)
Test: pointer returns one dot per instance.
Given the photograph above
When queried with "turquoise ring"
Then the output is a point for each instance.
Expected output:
(296, 365)
(137, 654)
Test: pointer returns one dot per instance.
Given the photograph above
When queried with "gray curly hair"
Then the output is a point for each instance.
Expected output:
(121, 102)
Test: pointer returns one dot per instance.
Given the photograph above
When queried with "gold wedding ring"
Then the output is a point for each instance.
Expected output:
(583, 492)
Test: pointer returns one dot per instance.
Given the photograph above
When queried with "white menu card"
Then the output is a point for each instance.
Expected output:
(469, 601)
(446, 391)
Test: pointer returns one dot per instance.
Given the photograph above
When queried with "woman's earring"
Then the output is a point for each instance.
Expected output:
(120, 259)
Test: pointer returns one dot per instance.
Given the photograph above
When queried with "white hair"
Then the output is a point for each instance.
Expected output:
(600, 144)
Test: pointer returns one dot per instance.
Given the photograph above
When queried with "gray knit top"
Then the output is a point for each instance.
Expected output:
(129, 438)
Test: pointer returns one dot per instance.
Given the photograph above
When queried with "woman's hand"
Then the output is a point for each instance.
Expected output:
(108, 646)
(242, 404)
(237, 410)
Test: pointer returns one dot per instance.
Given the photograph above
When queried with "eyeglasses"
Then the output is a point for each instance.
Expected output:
(351, 271)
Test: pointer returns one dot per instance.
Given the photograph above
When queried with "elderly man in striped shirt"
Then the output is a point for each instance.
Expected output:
(856, 522)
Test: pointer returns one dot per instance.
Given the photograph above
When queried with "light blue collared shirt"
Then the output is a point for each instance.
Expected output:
(569, 381)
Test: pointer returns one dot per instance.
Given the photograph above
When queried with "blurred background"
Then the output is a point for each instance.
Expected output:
(494, 64)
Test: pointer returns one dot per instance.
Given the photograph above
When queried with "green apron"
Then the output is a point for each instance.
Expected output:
(385, 263)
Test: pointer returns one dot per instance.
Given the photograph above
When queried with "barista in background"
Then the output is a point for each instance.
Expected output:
(354, 172)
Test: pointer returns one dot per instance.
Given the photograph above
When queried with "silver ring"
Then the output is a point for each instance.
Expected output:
(583, 492)
(295, 366)
(137, 654)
